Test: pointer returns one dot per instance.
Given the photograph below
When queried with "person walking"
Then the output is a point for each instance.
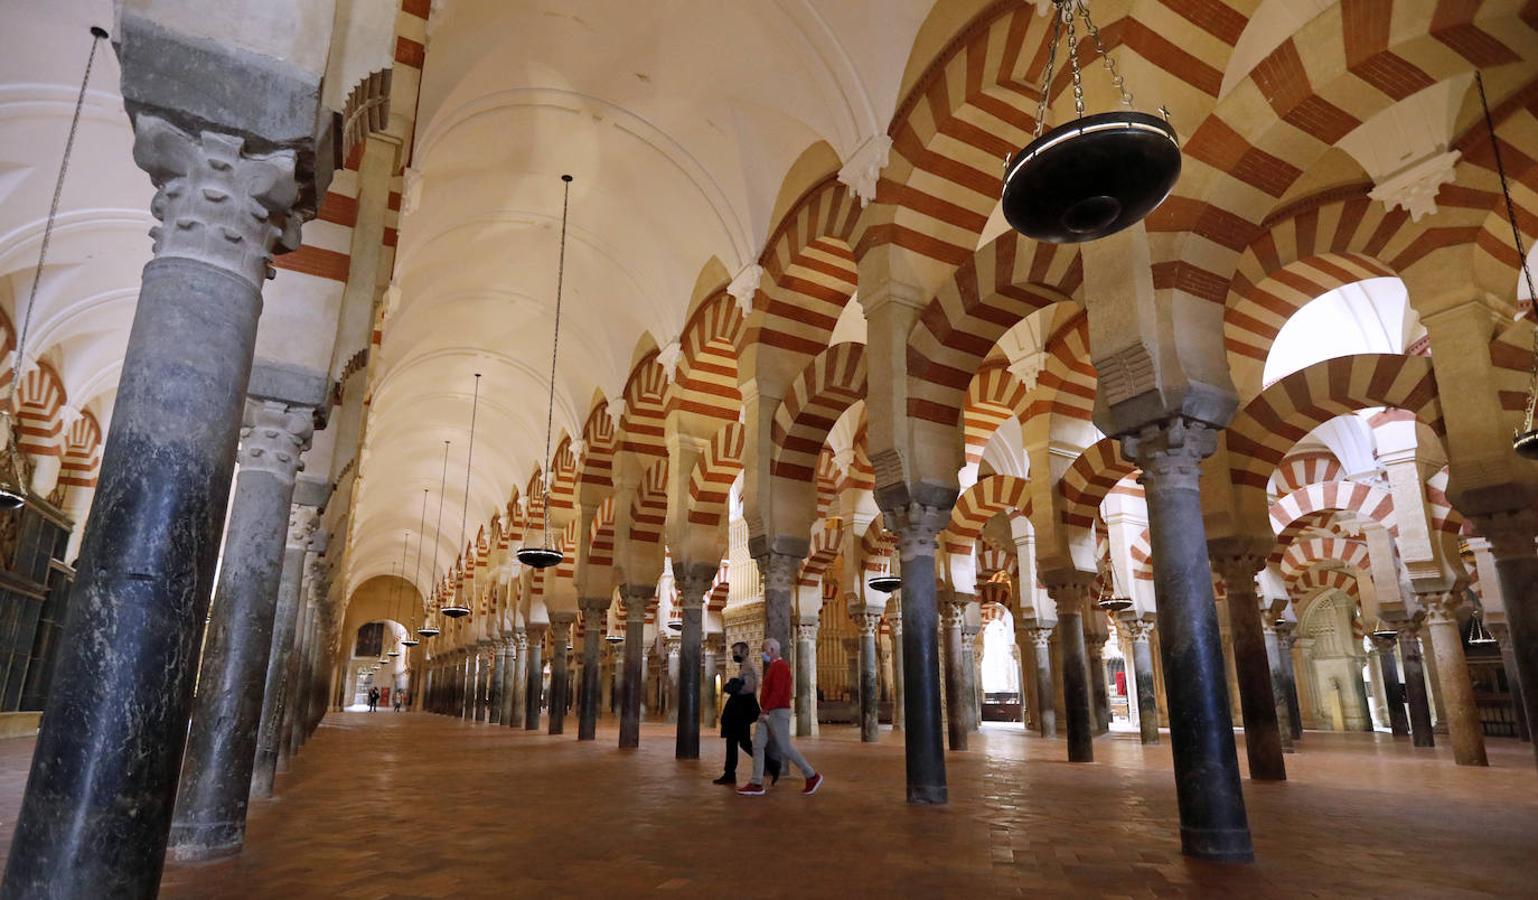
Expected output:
(397, 701)
(373, 699)
(774, 725)
(738, 716)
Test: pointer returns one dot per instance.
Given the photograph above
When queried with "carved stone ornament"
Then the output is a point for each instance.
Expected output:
(273, 436)
(302, 523)
(1170, 453)
(744, 286)
(862, 173)
(917, 527)
(216, 204)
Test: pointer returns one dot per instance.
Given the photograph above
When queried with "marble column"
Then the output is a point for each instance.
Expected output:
(297, 681)
(534, 672)
(1071, 598)
(693, 583)
(560, 640)
(1252, 669)
(1025, 655)
(779, 571)
(1511, 538)
(516, 702)
(1094, 650)
(636, 598)
(278, 691)
(1502, 635)
(594, 610)
(1213, 823)
(1278, 680)
(917, 526)
(957, 706)
(498, 680)
(806, 676)
(1416, 695)
(1452, 671)
(869, 622)
(1399, 721)
(1143, 681)
(1285, 638)
(306, 671)
(709, 698)
(1046, 721)
(210, 816)
(485, 661)
(894, 623)
(97, 810)
(669, 693)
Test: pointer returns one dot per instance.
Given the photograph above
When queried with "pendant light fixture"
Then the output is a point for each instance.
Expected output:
(456, 609)
(426, 629)
(443, 481)
(1097, 174)
(547, 554)
(884, 583)
(1111, 599)
(1479, 635)
(14, 469)
(395, 594)
(1525, 440)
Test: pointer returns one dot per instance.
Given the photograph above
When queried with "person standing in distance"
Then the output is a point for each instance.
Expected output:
(774, 725)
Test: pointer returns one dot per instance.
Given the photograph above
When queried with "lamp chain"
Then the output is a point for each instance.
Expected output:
(1516, 237)
(1046, 79)
(1073, 60)
(438, 528)
(555, 347)
(1110, 64)
(421, 536)
(53, 212)
(464, 513)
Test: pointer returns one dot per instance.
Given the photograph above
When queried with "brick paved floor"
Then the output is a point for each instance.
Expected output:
(414, 805)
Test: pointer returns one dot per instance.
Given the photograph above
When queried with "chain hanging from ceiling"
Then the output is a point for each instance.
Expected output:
(1097, 174)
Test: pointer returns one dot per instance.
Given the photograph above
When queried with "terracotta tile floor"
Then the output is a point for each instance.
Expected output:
(414, 805)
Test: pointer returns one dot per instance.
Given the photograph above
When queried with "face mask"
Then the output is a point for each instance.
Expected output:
(736, 657)
(768, 659)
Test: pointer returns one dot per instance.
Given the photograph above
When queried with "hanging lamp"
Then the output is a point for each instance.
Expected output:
(456, 608)
(1525, 439)
(14, 469)
(426, 630)
(547, 554)
(1097, 174)
(1111, 599)
(1479, 635)
(884, 583)
(443, 481)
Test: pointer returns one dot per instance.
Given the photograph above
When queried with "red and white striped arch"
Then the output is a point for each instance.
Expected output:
(1307, 467)
(1291, 514)
(827, 541)
(1283, 414)
(1085, 483)
(82, 452)
(830, 383)
(710, 484)
(809, 272)
(979, 503)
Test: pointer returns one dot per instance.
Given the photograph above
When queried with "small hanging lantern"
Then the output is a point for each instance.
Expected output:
(885, 583)
(1097, 174)
(1479, 636)
(547, 554)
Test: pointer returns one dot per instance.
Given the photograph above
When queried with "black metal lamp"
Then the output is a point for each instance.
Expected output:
(1097, 174)
(884, 583)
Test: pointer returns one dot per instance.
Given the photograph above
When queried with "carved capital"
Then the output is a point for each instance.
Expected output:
(779, 570)
(1511, 534)
(693, 583)
(1238, 571)
(273, 436)
(1140, 630)
(917, 526)
(862, 173)
(217, 204)
(1441, 606)
(869, 623)
(806, 631)
(302, 522)
(954, 614)
(1070, 596)
(1170, 453)
(744, 286)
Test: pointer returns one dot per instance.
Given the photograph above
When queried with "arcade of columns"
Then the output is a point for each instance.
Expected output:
(1017, 430)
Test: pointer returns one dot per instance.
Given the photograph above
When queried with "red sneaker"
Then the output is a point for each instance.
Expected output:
(751, 790)
(812, 784)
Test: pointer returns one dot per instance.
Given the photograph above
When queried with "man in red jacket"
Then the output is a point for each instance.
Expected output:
(774, 724)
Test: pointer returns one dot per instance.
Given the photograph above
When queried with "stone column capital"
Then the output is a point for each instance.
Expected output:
(218, 204)
(1511, 534)
(636, 598)
(869, 623)
(895, 622)
(1041, 636)
(1140, 630)
(1070, 596)
(917, 526)
(1441, 606)
(302, 524)
(953, 613)
(779, 570)
(273, 435)
(806, 629)
(521, 638)
(693, 582)
(1238, 569)
(1171, 452)
(593, 606)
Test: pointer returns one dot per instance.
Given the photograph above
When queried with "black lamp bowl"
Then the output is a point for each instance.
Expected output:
(1526, 445)
(540, 557)
(409, 642)
(885, 584)
(1091, 177)
(615, 638)
(393, 653)
(429, 631)
(1115, 604)
(1385, 634)
(455, 611)
(11, 498)
(675, 625)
